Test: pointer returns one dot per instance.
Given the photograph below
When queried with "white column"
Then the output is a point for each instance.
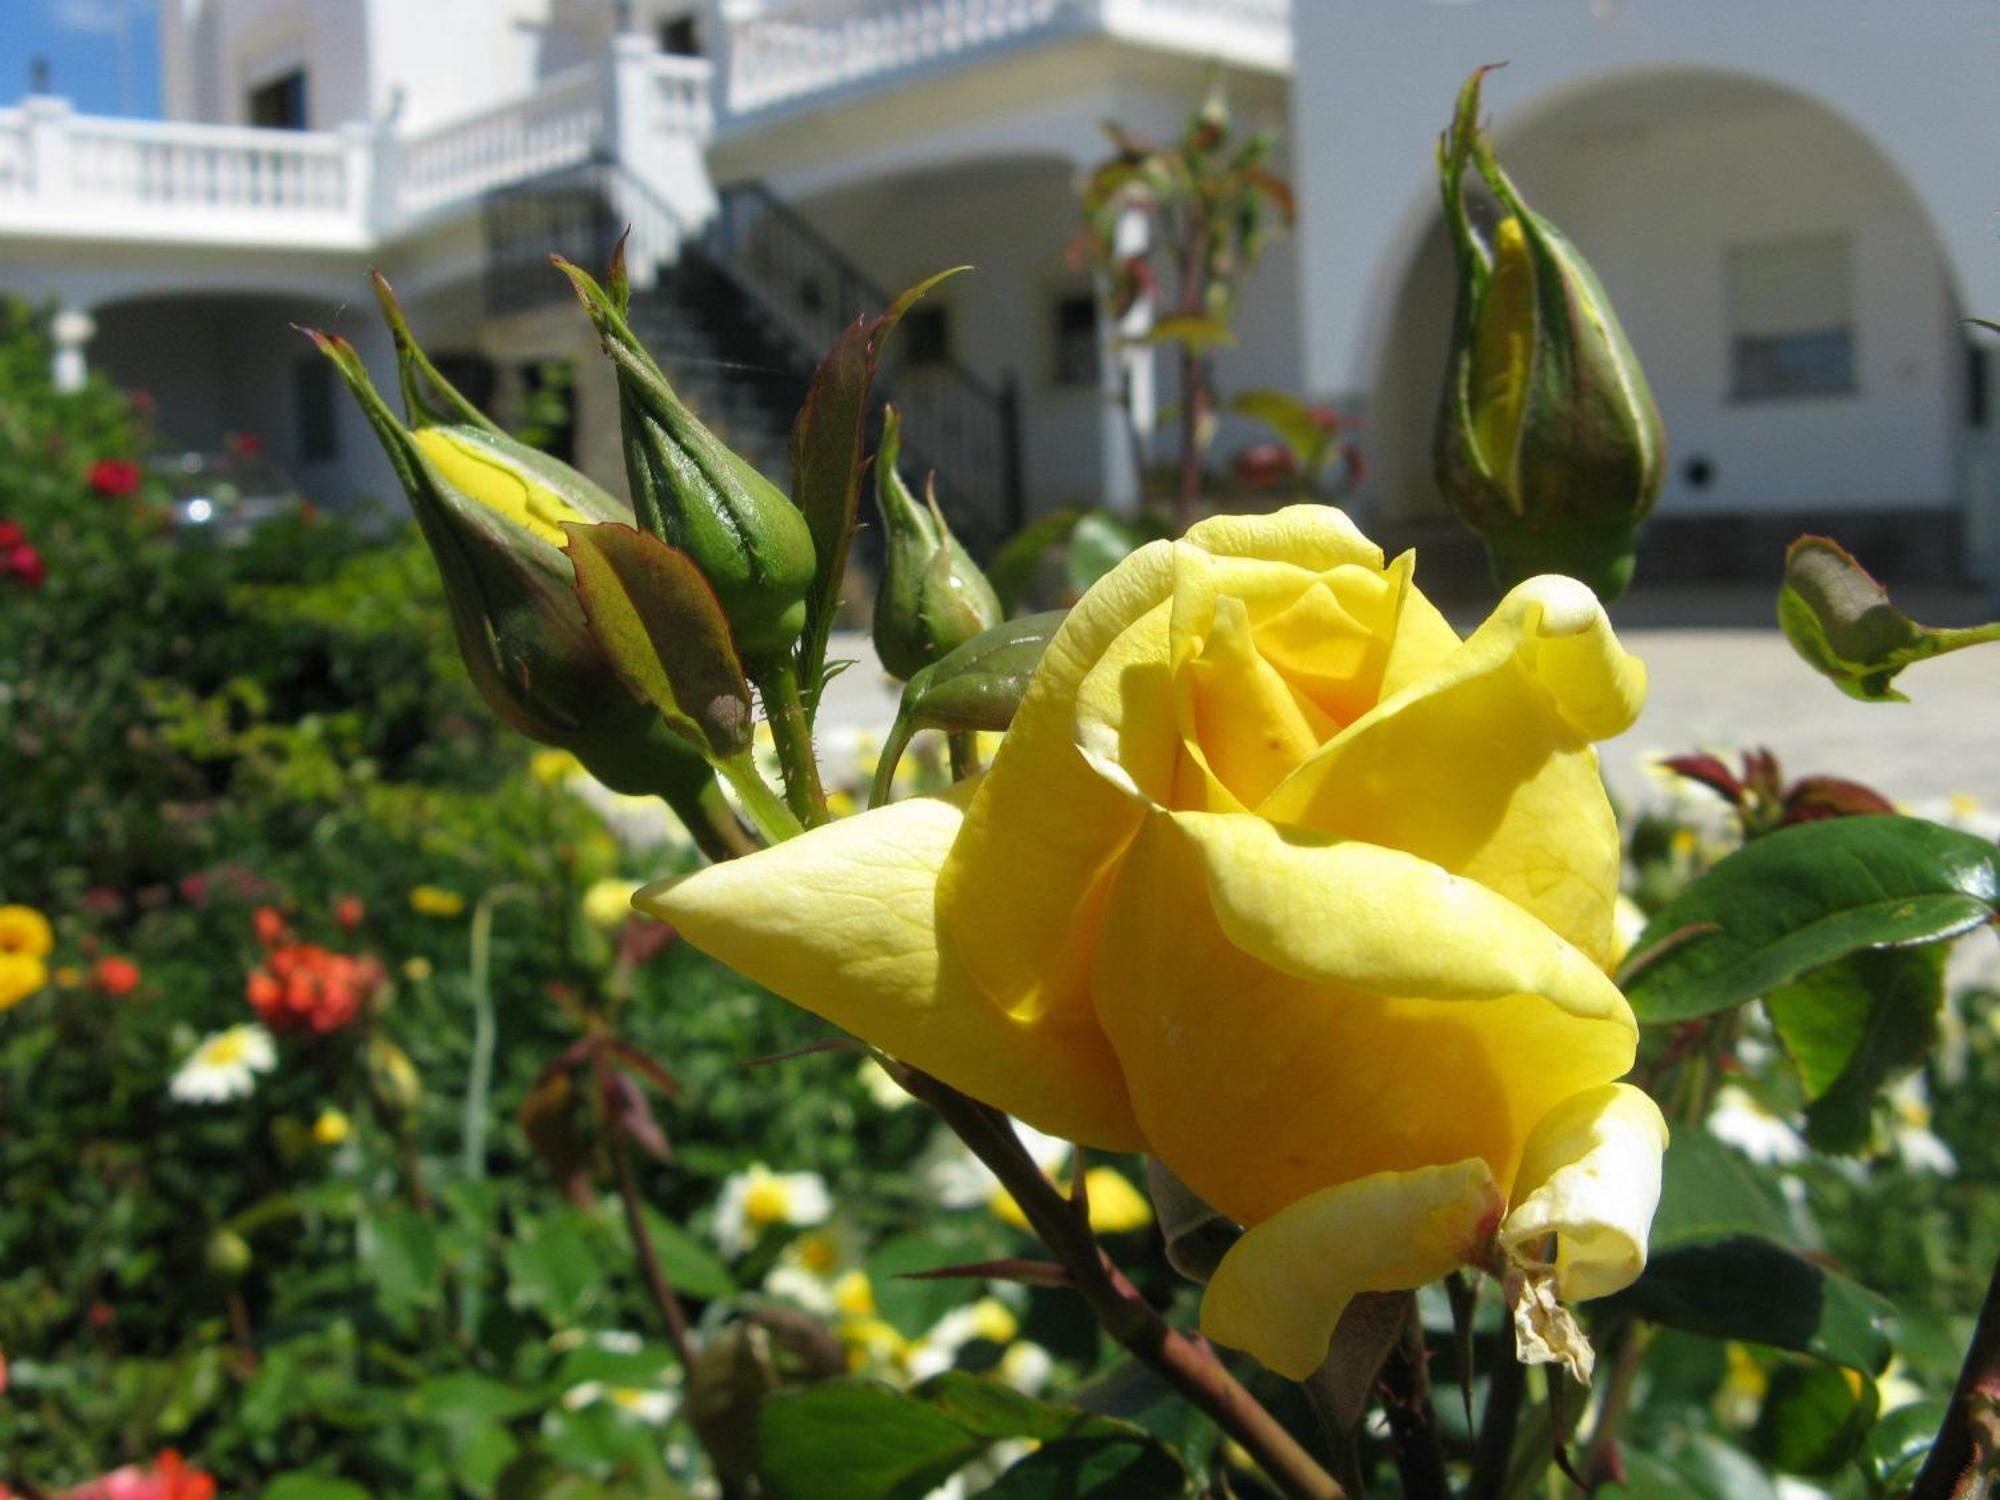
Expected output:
(48, 149)
(367, 184)
(630, 116)
(1126, 363)
(69, 330)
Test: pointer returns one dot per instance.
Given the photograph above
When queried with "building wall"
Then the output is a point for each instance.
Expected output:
(213, 52)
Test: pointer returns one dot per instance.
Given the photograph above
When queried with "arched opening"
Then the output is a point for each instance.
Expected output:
(1787, 297)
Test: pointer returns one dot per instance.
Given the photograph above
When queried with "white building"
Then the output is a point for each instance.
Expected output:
(1790, 203)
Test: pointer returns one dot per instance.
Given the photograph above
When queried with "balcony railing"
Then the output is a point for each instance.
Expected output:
(560, 124)
(785, 50)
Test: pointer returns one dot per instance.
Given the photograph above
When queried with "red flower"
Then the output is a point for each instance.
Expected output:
(168, 1477)
(114, 478)
(11, 536)
(303, 987)
(269, 924)
(348, 912)
(1263, 466)
(115, 977)
(25, 563)
(243, 444)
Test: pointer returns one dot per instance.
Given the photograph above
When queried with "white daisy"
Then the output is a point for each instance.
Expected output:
(753, 1201)
(646, 1404)
(1752, 1129)
(958, 1179)
(225, 1066)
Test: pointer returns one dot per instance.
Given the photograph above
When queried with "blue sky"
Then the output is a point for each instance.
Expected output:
(80, 39)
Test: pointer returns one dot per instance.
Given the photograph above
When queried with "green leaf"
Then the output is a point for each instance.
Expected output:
(1302, 427)
(658, 622)
(1851, 1027)
(979, 685)
(846, 1438)
(1083, 1468)
(399, 1248)
(993, 1410)
(1197, 335)
(1801, 898)
(554, 1268)
(1098, 543)
(826, 465)
(1709, 1192)
(1902, 1440)
(1012, 571)
(1814, 1418)
(694, 1269)
(1841, 621)
(303, 1486)
(1753, 1290)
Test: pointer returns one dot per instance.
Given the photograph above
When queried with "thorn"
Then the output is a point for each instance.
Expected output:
(1013, 1268)
(829, 1044)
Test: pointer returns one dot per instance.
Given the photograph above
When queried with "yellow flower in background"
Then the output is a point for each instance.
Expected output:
(332, 1128)
(436, 901)
(1116, 1207)
(417, 969)
(1276, 878)
(608, 903)
(21, 974)
(554, 767)
(25, 931)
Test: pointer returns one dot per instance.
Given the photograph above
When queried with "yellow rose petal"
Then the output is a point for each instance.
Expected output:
(1591, 1177)
(1281, 1288)
(25, 930)
(1484, 766)
(842, 920)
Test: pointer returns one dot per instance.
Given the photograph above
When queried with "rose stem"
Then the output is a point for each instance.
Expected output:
(1406, 1398)
(1188, 1365)
(658, 1287)
(1505, 1386)
(779, 685)
(1963, 1457)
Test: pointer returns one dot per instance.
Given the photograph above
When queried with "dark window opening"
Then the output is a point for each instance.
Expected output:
(926, 335)
(473, 374)
(1978, 385)
(1075, 362)
(680, 37)
(548, 408)
(315, 411)
(281, 103)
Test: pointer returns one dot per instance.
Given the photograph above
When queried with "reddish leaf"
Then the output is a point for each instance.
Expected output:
(1814, 797)
(1711, 772)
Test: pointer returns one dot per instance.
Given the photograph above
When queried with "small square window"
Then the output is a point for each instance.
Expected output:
(1075, 340)
(680, 37)
(1791, 319)
(281, 103)
(315, 410)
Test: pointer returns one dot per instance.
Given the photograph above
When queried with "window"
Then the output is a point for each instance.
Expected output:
(281, 103)
(315, 411)
(1791, 319)
(1075, 362)
(680, 37)
(926, 336)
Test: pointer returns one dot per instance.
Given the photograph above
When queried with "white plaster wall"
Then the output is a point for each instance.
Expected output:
(213, 52)
(1375, 78)
(1656, 206)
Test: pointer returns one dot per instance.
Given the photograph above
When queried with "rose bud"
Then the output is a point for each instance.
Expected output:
(932, 598)
(692, 491)
(491, 511)
(1548, 443)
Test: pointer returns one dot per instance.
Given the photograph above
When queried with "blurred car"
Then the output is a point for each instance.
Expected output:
(225, 495)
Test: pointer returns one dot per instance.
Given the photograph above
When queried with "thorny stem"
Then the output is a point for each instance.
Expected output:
(1964, 1462)
(1505, 1388)
(793, 731)
(1186, 1364)
(1406, 1399)
(1600, 1463)
(658, 1287)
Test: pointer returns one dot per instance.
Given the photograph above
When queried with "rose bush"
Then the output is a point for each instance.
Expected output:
(1277, 879)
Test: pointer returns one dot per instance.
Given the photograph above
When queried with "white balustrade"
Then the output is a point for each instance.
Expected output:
(204, 169)
(558, 125)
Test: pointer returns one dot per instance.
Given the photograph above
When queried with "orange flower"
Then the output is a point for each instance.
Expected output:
(269, 924)
(115, 977)
(304, 987)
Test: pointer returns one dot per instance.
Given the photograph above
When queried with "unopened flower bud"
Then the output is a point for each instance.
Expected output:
(393, 1077)
(932, 598)
(491, 510)
(692, 491)
(228, 1255)
(1548, 443)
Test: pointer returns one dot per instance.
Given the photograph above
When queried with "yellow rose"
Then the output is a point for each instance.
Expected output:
(1275, 878)
(21, 974)
(25, 930)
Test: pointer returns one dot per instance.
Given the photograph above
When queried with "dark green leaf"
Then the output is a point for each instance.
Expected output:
(826, 464)
(1750, 1289)
(987, 1408)
(658, 622)
(1902, 1440)
(1815, 1418)
(1012, 571)
(399, 1247)
(691, 1266)
(1853, 1026)
(553, 1268)
(844, 1439)
(1841, 621)
(979, 685)
(1092, 1469)
(1709, 1192)
(302, 1486)
(1801, 898)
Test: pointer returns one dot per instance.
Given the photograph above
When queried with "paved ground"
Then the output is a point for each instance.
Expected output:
(1722, 681)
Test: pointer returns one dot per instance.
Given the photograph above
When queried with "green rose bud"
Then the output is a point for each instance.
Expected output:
(932, 598)
(692, 491)
(393, 1079)
(228, 1255)
(490, 509)
(1548, 443)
